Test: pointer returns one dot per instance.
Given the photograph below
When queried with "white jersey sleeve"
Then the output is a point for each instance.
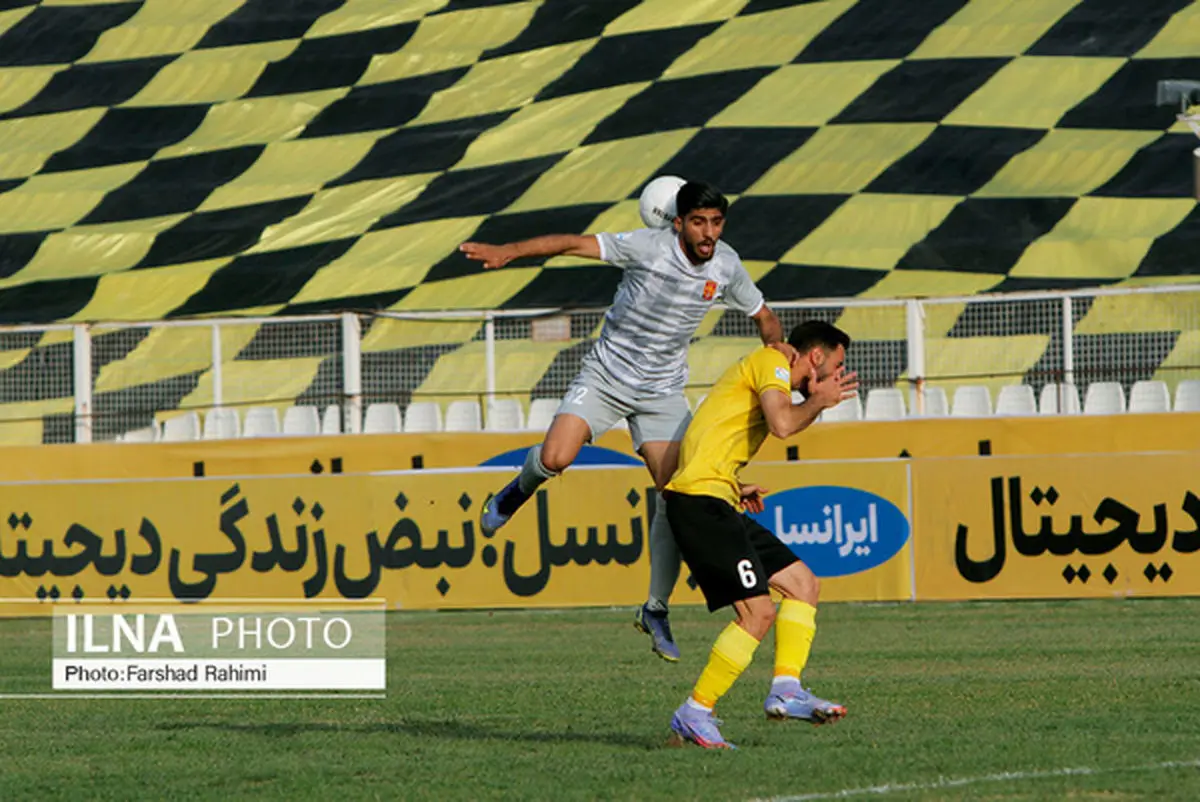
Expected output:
(629, 248)
(742, 294)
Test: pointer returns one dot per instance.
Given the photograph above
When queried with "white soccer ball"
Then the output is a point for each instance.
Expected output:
(657, 204)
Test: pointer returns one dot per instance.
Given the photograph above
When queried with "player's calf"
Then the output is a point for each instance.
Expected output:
(755, 615)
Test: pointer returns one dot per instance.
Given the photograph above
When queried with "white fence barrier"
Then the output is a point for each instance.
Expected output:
(87, 382)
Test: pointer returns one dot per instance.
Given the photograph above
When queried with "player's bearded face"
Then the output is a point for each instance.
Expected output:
(699, 232)
(826, 363)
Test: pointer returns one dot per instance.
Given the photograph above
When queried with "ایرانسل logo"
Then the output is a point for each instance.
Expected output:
(836, 531)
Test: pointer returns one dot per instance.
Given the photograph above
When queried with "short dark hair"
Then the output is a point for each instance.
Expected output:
(698, 195)
(811, 333)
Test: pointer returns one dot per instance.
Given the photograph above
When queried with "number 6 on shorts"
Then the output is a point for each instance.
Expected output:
(745, 570)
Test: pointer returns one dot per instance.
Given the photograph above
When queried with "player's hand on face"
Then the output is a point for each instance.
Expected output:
(834, 388)
(492, 256)
(752, 497)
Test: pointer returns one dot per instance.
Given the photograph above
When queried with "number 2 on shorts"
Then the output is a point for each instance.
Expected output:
(745, 570)
(575, 396)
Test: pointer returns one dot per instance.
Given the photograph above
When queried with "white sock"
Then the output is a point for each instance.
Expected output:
(785, 685)
(692, 703)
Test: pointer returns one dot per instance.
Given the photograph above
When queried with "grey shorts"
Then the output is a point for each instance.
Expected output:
(603, 402)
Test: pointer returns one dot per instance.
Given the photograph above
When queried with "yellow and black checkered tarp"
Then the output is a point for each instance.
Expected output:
(168, 158)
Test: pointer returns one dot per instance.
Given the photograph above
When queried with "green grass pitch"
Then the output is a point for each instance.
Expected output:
(946, 701)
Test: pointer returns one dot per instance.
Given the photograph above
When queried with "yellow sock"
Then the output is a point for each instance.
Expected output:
(730, 655)
(795, 626)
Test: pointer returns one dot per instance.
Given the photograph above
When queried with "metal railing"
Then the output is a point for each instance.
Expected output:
(89, 382)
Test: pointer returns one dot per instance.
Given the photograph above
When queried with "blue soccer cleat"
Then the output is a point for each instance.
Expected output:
(654, 623)
(490, 517)
(697, 726)
(801, 704)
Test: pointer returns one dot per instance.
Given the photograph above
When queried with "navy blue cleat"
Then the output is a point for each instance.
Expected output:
(654, 623)
(490, 517)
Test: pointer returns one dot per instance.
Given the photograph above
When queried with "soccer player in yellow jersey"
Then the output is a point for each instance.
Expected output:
(734, 560)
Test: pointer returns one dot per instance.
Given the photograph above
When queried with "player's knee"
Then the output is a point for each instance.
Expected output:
(567, 436)
(558, 454)
(555, 460)
(798, 582)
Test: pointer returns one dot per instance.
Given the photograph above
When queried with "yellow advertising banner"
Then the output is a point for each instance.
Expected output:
(1057, 526)
(411, 538)
(272, 456)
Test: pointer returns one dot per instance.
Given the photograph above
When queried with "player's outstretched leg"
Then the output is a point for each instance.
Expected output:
(730, 656)
(795, 626)
(567, 435)
(664, 572)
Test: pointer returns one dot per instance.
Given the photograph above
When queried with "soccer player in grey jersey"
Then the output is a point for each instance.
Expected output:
(638, 368)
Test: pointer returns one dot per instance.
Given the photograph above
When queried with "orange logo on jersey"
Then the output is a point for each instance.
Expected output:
(710, 290)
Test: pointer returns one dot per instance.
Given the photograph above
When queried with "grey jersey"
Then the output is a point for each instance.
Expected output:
(660, 302)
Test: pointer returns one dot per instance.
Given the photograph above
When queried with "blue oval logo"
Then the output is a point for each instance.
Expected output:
(836, 530)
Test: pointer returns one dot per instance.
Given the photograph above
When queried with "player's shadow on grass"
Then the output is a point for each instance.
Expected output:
(448, 730)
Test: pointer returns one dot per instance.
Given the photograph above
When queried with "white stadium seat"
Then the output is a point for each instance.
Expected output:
(505, 415)
(261, 422)
(936, 404)
(304, 421)
(1016, 399)
(1187, 396)
(541, 414)
(885, 403)
(382, 419)
(850, 409)
(147, 434)
(1149, 396)
(463, 416)
(1104, 398)
(222, 423)
(1059, 399)
(331, 420)
(182, 428)
(971, 401)
(423, 416)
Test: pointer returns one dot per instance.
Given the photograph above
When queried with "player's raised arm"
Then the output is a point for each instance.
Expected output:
(785, 419)
(494, 256)
(743, 295)
(770, 329)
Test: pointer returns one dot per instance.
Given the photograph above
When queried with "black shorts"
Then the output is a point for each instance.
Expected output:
(731, 555)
